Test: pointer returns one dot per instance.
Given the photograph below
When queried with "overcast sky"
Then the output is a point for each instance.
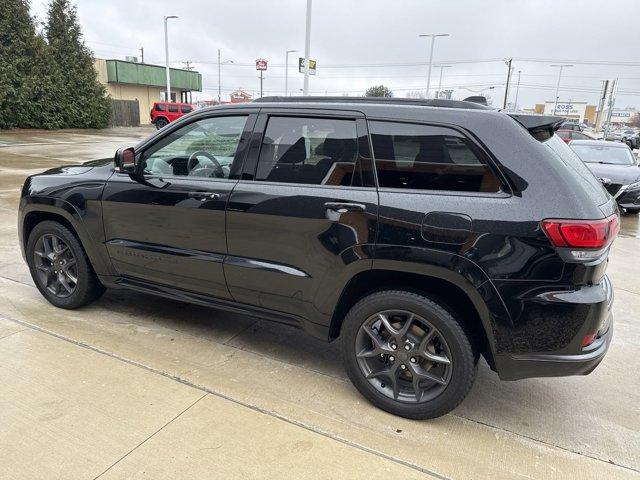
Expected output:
(360, 43)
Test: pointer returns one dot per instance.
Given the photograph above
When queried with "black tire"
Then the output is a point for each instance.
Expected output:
(632, 211)
(87, 287)
(463, 360)
(161, 122)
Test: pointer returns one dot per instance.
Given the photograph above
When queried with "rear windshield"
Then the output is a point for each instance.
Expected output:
(604, 154)
(571, 163)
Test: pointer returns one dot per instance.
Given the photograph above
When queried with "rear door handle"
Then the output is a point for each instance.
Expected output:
(203, 196)
(342, 207)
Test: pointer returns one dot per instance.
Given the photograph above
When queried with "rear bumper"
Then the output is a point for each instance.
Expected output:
(516, 367)
(573, 358)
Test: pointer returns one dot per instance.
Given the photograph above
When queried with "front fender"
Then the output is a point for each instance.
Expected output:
(91, 236)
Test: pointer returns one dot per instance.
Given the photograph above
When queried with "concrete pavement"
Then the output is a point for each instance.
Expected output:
(139, 387)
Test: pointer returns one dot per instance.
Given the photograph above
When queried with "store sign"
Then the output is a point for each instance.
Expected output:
(621, 114)
(261, 64)
(566, 109)
(312, 66)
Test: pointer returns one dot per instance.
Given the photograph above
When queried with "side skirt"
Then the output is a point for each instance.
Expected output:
(318, 331)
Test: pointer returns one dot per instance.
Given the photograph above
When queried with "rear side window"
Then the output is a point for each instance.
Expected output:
(173, 107)
(317, 151)
(160, 107)
(424, 157)
(186, 109)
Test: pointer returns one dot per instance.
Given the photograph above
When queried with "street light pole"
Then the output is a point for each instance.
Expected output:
(220, 76)
(286, 72)
(442, 67)
(307, 50)
(433, 39)
(166, 55)
(555, 104)
(515, 103)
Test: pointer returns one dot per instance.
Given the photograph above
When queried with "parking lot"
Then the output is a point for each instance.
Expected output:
(140, 387)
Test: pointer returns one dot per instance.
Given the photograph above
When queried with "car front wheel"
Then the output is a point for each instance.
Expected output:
(407, 354)
(60, 267)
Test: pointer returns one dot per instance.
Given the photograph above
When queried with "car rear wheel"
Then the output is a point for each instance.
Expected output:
(407, 354)
(60, 267)
(160, 123)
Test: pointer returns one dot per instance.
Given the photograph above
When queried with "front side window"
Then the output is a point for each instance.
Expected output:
(423, 157)
(186, 109)
(317, 151)
(205, 148)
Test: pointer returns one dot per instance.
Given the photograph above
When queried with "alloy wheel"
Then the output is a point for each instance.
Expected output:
(55, 265)
(403, 356)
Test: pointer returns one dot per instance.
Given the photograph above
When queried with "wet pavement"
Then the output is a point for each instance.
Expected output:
(140, 387)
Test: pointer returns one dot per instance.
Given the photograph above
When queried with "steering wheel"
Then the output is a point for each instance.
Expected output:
(213, 170)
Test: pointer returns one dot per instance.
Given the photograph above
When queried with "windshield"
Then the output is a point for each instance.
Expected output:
(604, 154)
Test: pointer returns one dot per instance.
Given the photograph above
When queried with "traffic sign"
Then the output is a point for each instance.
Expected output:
(312, 66)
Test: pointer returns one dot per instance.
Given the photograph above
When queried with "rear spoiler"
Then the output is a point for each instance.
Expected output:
(541, 127)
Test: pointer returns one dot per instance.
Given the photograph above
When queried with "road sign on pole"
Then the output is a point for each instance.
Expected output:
(261, 64)
(312, 66)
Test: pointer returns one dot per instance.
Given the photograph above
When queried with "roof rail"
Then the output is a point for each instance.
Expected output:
(378, 100)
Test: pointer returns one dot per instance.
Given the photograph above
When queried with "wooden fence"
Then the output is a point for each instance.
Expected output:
(125, 113)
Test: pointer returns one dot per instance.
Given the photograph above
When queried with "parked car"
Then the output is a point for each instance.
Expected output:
(620, 135)
(423, 234)
(569, 135)
(163, 113)
(616, 166)
(576, 127)
(632, 140)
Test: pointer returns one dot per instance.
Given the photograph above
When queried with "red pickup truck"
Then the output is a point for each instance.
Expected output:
(163, 113)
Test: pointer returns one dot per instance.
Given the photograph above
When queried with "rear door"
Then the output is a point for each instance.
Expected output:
(302, 219)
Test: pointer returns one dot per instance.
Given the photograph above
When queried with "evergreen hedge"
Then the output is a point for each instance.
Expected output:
(47, 80)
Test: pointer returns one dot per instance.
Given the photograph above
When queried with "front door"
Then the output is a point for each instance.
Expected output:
(171, 230)
(302, 219)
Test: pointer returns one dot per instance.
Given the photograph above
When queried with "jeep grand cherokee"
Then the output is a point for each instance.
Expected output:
(421, 234)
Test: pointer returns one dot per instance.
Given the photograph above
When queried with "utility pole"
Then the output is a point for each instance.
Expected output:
(433, 40)
(565, 65)
(442, 67)
(286, 71)
(506, 88)
(187, 65)
(166, 55)
(307, 51)
(515, 103)
(141, 54)
(612, 101)
(603, 98)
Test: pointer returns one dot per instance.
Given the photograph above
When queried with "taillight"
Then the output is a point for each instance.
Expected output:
(583, 234)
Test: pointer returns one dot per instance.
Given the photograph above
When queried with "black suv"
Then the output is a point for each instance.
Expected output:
(423, 234)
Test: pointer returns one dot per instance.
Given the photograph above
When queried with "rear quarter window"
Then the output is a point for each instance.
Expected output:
(425, 157)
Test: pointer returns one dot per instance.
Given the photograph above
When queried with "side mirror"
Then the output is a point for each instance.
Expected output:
(125, 160)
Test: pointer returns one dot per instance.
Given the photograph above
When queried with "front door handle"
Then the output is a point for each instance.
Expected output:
(204, 196)
(342, 207)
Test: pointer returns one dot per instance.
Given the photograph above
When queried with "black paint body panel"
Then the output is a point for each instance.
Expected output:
(277, 251)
